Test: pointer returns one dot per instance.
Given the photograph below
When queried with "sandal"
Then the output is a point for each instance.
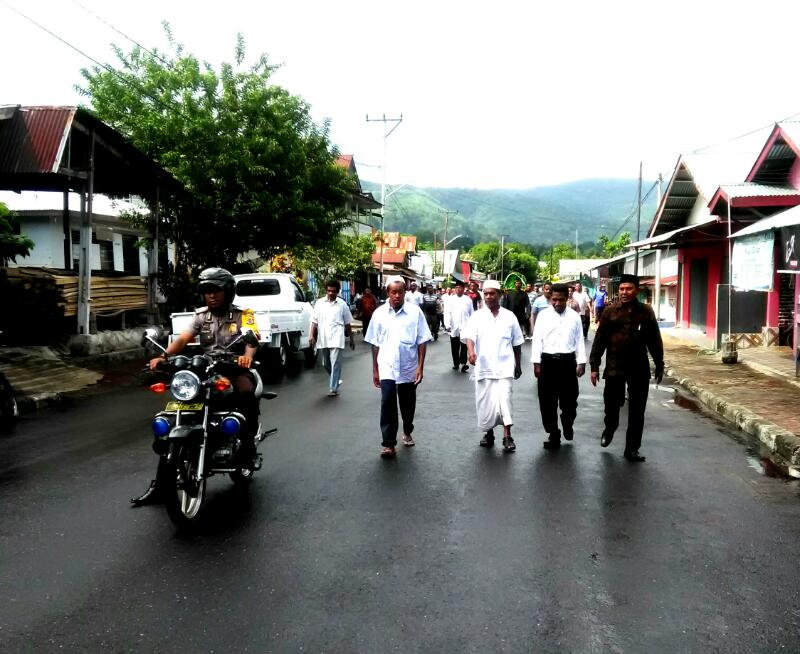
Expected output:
(488, 439)
(408, 441)
(387, 453)
(508, 444)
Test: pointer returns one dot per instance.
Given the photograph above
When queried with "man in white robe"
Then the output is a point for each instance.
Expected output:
(494, 346)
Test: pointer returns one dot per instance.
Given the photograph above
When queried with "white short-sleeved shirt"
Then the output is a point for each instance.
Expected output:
(495, 338)
(582, 299)
(398, 334)
(330, 319)
(415, 297)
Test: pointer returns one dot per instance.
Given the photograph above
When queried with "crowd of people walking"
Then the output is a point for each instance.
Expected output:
(487, 329)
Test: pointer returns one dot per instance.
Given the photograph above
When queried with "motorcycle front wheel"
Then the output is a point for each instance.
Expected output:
(183, 495)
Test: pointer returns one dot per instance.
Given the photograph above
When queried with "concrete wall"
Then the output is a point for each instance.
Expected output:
(47, 234)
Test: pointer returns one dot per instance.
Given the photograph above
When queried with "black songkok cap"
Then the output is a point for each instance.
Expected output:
(629, 279)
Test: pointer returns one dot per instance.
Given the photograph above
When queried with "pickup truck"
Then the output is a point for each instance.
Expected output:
(283, 315)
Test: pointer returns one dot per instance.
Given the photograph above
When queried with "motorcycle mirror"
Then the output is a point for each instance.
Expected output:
(151, 334)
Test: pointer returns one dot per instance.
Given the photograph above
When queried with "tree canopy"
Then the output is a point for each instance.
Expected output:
(342, 257)
(519, 257)
(12, 243)
(261, 174)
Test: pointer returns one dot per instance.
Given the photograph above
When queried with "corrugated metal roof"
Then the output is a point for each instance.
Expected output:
(32, 139)
(750, 190)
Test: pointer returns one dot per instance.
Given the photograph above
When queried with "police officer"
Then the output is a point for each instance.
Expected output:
(217, 324)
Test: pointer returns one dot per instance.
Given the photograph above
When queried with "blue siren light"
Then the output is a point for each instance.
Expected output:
(161, 426)
(230, 426)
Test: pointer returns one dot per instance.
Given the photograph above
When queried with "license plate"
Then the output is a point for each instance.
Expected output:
(182, 406)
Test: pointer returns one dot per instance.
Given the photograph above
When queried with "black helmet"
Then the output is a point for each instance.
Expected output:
(220, 278)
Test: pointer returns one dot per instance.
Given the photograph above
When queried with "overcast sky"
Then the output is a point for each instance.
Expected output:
(493, 94)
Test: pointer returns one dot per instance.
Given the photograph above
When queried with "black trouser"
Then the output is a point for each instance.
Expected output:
(365, 324)
(433, 323)
(245, 402)
(459, 351)
(391, 392)
(440, 317)
(558, 386)
(614, 398)
(598, 311)
(585, 322)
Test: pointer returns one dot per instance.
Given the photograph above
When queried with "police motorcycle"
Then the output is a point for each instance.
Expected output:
(199, 434)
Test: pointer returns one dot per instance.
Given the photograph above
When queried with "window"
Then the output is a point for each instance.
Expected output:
(299, 296)
(252, 287)
(130, 254)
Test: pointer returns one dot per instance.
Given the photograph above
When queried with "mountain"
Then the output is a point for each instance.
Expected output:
(541, 215)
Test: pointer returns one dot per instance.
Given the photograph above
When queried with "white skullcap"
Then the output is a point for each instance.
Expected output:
(492, 283)
(393, 279)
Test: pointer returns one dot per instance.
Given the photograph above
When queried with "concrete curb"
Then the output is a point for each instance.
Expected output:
(783, 445)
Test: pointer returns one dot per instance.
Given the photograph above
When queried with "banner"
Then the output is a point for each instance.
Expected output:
(790, 249)
(752, 263)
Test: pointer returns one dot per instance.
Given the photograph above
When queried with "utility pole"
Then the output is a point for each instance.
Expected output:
(395, 122)
(638, 220)
(447, 214)
(502, 258)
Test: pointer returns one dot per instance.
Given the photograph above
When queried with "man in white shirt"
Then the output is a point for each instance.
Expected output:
(494, 343)
(558, 354)
(584, 302)
(456, 314)
(398, 333)
(330, 324)
(413, 295)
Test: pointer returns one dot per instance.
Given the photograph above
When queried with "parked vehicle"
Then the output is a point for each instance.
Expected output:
(283, 316)
(199, 433)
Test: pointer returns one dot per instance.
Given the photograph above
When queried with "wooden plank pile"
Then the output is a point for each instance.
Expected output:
(108, 294)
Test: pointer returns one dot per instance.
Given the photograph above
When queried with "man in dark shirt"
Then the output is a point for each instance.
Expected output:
(518, 303)
(627, 331)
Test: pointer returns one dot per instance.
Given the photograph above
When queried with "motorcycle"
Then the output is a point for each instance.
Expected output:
(199, 433)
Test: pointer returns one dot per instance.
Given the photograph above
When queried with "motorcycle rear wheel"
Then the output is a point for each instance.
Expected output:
(183, 498)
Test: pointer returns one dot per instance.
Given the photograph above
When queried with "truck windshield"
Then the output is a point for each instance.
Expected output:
(251, 287)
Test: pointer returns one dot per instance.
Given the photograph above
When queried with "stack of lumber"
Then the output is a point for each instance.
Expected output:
(108, 294)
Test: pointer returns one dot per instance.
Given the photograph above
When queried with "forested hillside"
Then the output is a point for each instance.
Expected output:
(542, 215)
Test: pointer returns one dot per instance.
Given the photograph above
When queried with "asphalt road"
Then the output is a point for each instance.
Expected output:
(448, 548)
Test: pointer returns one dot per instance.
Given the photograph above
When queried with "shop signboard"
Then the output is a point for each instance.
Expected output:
(752, 262)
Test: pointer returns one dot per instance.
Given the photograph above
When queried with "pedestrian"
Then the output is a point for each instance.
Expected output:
(398, 334)
(475, 295)
(430, 307)
(542, 302)
(443, 297)
(330, 325)
(518, 303)
(627, 332)
(572, 303)
(532, 295)
(494, 345)
(459, 309)
(366, 308)
(413, 295)
(558, 354)
(600, 299)
(585, 303)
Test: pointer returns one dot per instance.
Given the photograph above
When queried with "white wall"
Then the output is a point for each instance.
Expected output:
(48, 238)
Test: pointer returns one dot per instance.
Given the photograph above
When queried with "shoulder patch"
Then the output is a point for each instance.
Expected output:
(201, 310)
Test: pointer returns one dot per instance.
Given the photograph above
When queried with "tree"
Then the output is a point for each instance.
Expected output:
(343, 257)
(519, 258)
(12, 244)
(553, 256)
(611, 248)
(261, 174)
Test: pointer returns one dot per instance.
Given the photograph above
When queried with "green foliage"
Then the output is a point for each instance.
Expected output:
(611, 248)
(343, 257)
(12, 244)
(553, 255)
(519, 258)
(261, 174)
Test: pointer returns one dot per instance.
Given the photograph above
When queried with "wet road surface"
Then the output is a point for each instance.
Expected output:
(448, 548)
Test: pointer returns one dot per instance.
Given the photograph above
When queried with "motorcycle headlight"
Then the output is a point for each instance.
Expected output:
(185, 385)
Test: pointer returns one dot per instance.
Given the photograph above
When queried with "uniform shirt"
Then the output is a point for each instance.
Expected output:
(625, 334)
(217, 331)
(558, 333)
(495, 338)
(582, 299)
(330, 319)
(456, 313)
(398, 334)
(415, 297)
